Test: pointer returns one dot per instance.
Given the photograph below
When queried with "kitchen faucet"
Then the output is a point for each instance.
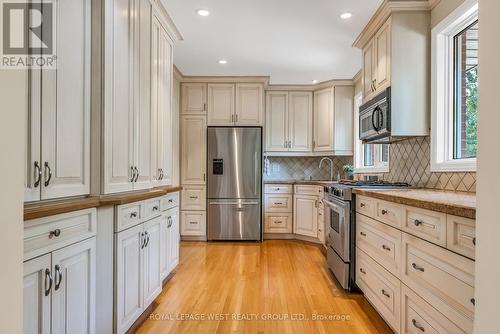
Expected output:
(331, 166)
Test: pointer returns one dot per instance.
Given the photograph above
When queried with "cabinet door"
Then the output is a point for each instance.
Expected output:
(305, 215)
(368, 70)
(173, 240)
(277, 122)
(36, 295)
(118, 90)
(193, 147)
(194, 98)
(66, 105)
(151, 260)
(129, 293)
(221, 104)
(164, 246)
(383, 57)
(193, 223)
(343, 123)
(300, 119)
(33, 172)
(323, 120)
(73, 294)
(249, 104)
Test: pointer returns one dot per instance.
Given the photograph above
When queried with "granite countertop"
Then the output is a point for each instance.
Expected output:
(451, 202)
(295, 181)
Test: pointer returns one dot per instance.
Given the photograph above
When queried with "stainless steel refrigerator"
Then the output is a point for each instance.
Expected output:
(234, 168)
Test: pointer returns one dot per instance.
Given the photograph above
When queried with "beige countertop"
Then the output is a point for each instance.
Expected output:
(451, 202)
(292, 181)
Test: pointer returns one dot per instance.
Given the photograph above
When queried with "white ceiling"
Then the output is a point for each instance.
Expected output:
(293, 41)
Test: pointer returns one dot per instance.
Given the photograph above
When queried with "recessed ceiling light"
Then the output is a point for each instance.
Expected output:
(315, 81)
(345, 16)
(203, 12)
(222, 61)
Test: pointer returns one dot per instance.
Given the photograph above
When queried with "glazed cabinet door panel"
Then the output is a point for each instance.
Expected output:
(194, 98)
(305, 215)
(368, 69)
(249, 104)
(129, 291)
(151, 260)
(300, 119)
(221, 104)
(66, 106)
(277, 122)
(119, 97)
(343, 123)
(37, 286)
(383, 57)
(323, 120)
(33, 171)
(73, 294)
(193, 147)
(173, 240)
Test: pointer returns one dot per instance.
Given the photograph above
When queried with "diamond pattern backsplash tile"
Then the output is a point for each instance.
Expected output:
(409, 161)
(304, 168)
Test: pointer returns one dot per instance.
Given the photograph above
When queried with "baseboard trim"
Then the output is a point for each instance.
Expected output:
(193, 238)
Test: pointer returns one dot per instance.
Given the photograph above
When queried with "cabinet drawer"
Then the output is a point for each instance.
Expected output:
(382, 242)
(46, 234)
(193, 223)
(418, 316)
(279, 223)
(193, 198)
(442, 278)
(152, 208)
(128, 215)
(426, 224)
(389, 213)
(366, 205)
(307, 189)
(461, 235)
(169, 201)
(278, 203)
(278, 189)
(380, 287)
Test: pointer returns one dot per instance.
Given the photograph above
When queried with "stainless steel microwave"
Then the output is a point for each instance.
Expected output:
(375, 118)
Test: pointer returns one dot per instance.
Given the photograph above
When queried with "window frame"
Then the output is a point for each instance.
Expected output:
(443, 90)
(379, 166)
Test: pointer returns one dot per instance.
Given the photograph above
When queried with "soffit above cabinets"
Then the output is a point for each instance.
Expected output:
(292, 41)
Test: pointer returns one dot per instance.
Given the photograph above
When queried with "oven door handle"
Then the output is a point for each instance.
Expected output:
(337, 204)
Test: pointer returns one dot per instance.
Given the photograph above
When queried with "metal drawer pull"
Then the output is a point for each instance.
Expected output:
(278, 203)
(385, 293)
(193, 223)
(136, 173)
(386, 248)
(193, 197)
(417, 267)
(363, 234)
(384, 212)
(170, 200)
(132, 171)
(48, 280)
(133, 214)
(416, 325)
(155, 208)
(58, 277)
(55, 233)
(38, 174)
(278, 222)
(362, 205)
(143, 240)
(146, 236)
(47, 180)
(474, 241)
(362, 270)
(417, 222)
(473, 301)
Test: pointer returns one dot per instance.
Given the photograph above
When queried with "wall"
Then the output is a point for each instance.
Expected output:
(304, 168)
(13, 97)
(488, 189)
(442, 9)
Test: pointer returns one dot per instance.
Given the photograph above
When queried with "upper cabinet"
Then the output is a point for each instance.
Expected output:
(58, 119)
(277, 121)
(377, 62)
(194, 98)
(323, 120)
(235, 104)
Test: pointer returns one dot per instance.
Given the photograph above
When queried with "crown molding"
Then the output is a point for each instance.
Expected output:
(356, 77)
(167, 22)
(384, 12)
(226, 79)
(178, 74)
(311, 88)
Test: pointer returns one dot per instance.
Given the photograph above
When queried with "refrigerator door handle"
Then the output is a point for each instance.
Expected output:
(256, 173)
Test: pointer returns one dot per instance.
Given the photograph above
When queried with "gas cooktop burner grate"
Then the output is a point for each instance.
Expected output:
(354, 183)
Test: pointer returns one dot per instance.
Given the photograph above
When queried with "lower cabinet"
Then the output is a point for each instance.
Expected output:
(305, 215)
(59, 290)
(193, 223)
(169, 243)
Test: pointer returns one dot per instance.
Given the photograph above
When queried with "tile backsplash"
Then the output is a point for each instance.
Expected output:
(304, 168)
(409, 161)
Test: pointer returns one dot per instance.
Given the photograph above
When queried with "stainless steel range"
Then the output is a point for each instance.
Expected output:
(340, 220)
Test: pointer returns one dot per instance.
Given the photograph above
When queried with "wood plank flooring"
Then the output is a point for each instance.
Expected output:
(277, 279)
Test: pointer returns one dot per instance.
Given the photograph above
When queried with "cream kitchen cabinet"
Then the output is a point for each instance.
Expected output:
(323, 120)
(59, 290)
(58, 117)
(169, 243)
(289, 122)
(235, 104)
(305, 215)
(193, 223)
(194, 98)
(193, 148)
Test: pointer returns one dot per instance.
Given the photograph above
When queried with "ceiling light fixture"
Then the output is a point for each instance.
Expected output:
(203, 12)
(222, 61)
(345, 16)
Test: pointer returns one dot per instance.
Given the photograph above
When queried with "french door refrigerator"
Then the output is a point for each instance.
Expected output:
(234, 168)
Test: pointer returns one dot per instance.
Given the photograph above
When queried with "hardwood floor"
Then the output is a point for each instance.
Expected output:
(276, 278)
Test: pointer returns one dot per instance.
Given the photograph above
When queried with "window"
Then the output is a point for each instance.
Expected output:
(454, 90)
(368, 158)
